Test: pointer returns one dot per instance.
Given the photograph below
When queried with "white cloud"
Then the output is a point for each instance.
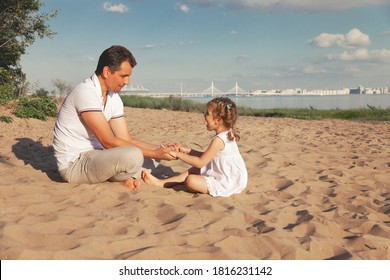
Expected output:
(149, 46)
(362, 55)
(310, 69)
(326, 40)
(242, 57)
(152, 46)
(117, 8)
(385, 33)
(183, 7)
(356, 38)
(353, 38)
(352, 70)
(295, 5)
(233, 32)
(182, 43)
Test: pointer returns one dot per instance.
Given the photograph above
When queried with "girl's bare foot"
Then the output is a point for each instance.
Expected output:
(132, 184)
(150, 179)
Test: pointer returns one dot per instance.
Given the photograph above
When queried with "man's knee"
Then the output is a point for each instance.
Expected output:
(134, 155)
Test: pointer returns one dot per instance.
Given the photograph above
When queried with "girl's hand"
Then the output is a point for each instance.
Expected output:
(184, 150)
(174, 154)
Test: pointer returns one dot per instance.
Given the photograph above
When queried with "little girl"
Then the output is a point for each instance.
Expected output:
(220, 170)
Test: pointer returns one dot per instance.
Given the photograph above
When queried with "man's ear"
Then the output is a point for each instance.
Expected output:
(106, 71)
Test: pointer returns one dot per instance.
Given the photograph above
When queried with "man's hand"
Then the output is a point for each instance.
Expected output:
(164, 153)
(176, 146)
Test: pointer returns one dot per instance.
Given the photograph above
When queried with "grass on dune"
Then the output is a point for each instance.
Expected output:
(370, 113)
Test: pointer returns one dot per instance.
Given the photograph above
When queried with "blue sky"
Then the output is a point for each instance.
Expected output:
(264, 44)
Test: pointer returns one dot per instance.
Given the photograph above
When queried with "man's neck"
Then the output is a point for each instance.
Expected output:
(103, 87)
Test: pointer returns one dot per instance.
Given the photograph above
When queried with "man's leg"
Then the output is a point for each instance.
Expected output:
(117, 165)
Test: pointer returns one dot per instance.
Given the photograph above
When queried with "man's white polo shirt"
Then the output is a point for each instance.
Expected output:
(71, 137)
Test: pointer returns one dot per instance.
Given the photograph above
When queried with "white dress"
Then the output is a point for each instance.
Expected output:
(226, 174)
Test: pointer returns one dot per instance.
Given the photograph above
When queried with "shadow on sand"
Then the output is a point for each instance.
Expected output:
(38, 156)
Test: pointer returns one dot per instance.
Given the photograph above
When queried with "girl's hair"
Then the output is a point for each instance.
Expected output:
(226, 109)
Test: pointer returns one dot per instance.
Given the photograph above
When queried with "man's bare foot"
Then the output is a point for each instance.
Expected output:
(132, 184)
(150, 179)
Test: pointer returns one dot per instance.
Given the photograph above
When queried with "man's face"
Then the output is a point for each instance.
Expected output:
(117, 80)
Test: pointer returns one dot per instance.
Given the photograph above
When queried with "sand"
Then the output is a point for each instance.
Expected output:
(317, 190)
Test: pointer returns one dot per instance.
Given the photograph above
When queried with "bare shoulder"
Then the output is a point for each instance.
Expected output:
(217, 143)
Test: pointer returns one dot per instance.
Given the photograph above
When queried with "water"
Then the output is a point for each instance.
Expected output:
(325, 102)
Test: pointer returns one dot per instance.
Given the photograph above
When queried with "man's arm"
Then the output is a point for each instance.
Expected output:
(115, 134)
(120, 129)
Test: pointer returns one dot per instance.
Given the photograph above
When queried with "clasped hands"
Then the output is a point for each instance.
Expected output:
(171, 150)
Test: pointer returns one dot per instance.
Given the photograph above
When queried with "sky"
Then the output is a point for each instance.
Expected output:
(186, 45)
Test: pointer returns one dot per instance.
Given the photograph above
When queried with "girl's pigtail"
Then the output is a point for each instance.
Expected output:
(234, 133)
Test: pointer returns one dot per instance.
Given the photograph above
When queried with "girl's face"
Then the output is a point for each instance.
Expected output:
(212, 123)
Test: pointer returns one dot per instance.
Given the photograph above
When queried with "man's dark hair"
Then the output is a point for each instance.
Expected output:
(113, 57)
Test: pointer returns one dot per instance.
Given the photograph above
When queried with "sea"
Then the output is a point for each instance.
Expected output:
(324, 102)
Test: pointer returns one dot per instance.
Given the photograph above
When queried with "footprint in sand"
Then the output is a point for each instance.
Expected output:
(283, 184)
(330, 209)
(310, 231)
(279, 195)
(168, 215)
(340, 254)
(260, 227)
(39, 240)
(328, 175)
(173, 219)
(303, 217)
(378, 230)
(385, 209)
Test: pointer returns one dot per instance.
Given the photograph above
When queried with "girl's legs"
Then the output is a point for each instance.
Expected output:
(191, 178)
(196, 183)
(166, 183)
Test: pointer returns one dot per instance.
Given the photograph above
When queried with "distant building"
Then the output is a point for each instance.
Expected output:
(363, 90)
(359, 90)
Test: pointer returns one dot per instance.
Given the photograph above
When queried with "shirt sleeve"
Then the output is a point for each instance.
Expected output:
(87, 101)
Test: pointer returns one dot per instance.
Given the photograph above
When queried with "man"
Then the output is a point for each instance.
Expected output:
(91, 140)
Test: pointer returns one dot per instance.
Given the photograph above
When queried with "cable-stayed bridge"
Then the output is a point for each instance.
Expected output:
(214, 91)
(133, 89)
(211, 91)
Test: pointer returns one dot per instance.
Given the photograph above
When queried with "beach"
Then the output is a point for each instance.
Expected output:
(318, 189)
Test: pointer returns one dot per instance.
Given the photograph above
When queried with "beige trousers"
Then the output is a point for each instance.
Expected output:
(116, 165)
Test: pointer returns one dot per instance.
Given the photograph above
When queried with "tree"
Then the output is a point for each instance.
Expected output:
(20, 24)
(41, 92)
(63, 87)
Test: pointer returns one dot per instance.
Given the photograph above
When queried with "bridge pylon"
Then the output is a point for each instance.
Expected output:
(237, 91)
(212, 90)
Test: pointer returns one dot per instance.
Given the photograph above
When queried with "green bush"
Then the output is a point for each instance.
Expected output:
(36, 107)
(5, 119)
(6, 93)
(169, 103)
